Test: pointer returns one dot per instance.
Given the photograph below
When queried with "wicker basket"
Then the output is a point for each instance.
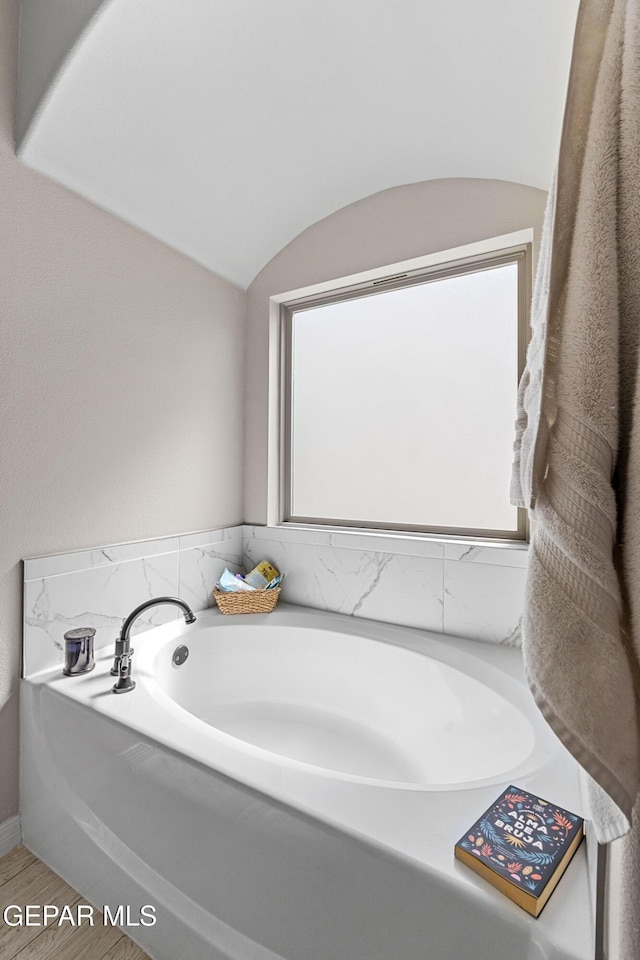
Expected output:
(247, 601)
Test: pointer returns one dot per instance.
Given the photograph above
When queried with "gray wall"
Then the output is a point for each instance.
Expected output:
(121, 405)
(398, 224)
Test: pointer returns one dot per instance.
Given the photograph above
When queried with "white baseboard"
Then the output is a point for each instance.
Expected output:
(10, 834)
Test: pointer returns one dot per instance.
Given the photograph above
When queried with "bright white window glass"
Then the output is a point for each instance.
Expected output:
(403, 404)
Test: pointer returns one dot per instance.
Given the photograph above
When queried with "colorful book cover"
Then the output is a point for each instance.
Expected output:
(522, 845)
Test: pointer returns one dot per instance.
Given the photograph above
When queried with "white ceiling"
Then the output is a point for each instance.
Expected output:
(226, 127)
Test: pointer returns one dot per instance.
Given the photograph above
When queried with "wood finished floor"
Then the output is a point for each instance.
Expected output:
(25, 879)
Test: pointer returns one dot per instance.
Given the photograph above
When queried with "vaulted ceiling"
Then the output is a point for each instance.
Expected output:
(226, 127)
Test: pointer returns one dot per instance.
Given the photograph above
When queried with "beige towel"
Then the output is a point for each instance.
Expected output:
(577, 450)
(577, 461)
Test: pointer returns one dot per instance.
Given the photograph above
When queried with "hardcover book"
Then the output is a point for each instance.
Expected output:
(522, 845)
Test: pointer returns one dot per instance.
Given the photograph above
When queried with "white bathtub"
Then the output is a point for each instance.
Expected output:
(294, 790)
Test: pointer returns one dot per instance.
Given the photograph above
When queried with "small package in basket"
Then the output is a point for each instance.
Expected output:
(262, 575)
(257, 592)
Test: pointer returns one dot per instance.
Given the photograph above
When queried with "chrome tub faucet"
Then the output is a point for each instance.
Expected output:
(122, 663)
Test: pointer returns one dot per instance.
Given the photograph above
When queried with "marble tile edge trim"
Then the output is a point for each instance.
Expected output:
(345, 540)
(507, 554)
(37, 568)
(207, 538)
(487, 554)
(284, 534)
(105, 566)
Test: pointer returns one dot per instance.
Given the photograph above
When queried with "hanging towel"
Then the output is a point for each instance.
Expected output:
(577, 449)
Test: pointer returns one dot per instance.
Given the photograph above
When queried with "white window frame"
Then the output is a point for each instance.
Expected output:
(512, 248)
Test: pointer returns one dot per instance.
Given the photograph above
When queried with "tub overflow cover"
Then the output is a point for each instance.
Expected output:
(180, 654)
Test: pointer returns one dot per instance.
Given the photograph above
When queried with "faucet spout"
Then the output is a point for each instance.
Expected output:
(123, 653)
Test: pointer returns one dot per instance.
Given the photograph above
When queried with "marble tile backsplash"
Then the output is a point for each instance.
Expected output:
(100, 587)
(472, 591)
(465, 590)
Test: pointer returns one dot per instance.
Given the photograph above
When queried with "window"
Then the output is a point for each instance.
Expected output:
(399, 398)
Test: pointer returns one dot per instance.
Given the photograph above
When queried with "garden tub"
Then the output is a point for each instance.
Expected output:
(290, 786)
